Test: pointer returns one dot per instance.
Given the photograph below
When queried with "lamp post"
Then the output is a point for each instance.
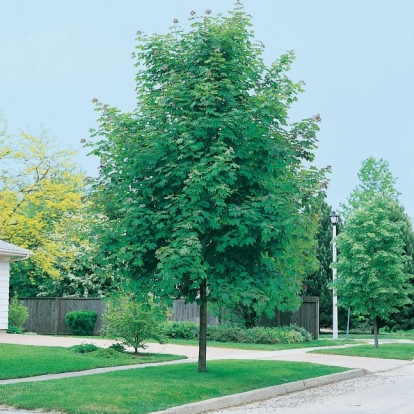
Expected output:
(334, 220)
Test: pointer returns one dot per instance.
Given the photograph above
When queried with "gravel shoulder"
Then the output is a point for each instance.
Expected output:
(379, 393)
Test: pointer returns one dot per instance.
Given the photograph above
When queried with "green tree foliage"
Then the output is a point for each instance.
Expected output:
(43, 209)
(18, 314)
(317, 283)
(371, 277)
(40, 195)
(376, 178)
(133, 321)
(405, 318)
(85, 277)
(81, 322)
(203, 185)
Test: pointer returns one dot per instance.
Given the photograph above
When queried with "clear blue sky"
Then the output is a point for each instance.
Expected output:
(356, 58)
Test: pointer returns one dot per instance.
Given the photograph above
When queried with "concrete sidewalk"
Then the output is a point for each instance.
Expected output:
(213, 353)
(359, 366)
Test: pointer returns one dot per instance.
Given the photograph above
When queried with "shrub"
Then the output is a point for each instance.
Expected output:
(259, 335)
(363, 326)
(81, 322)
(14, 330)
(117, 347)
(288, 335)
(307, 337)
(18, 314)
(180, 330)
(225, 334)
(109, 353)
(84, 348)
(133, 322)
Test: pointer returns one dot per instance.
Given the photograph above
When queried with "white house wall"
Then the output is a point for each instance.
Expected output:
(4, 292)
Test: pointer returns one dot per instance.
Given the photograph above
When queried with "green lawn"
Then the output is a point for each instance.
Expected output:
(261, 347)
(17, 361)
(383, 335)
(150, 389)
(400, 335)
(386, 351)
(323, 341)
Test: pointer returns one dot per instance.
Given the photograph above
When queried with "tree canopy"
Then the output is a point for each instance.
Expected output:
(203, 185)
(371, 278)
(374, 177)
(318, 282)
(391, 229)
(42, 208)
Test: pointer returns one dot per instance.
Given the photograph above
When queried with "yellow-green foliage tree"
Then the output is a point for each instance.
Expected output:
(41, 199)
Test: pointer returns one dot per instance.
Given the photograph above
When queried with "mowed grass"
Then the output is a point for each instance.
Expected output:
(382, 335)
(399, 335)
(384, 351)
(140, 391)
(261, 347)
(17, 361)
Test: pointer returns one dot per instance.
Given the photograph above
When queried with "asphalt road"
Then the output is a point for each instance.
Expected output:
(380, 393)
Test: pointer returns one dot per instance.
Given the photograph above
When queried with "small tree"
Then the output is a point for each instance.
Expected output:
(133, 321)
(375, 177)
(371, 278)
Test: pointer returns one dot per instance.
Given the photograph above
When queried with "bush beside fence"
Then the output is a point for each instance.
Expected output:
(47, 315)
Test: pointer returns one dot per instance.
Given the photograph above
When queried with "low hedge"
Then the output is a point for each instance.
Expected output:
(257, 335)
(81, 322)
(180, 330)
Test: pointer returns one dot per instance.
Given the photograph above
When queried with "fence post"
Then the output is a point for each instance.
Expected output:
(57, 315)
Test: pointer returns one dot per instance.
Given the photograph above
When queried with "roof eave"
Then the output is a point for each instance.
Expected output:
(15, 256)
(19, 258)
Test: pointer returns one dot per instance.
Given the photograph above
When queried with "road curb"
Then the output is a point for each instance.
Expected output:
(261, 394)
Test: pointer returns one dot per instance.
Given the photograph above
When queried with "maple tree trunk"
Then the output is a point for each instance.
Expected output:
(376, 332)
(202, 343)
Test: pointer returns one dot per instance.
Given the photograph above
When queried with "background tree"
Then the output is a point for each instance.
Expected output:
(203, 185)
(41, 208)
(371, 277)
(375, 178)
(84, 277)
(404, 319)
(318, 282)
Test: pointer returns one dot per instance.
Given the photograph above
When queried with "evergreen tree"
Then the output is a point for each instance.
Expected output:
(317, 283)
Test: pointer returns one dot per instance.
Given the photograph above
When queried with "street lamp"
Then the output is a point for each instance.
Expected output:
(334, 220)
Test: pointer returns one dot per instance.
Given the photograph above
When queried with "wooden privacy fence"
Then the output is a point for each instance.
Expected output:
(47, 315)
(189, 312)
(307, 316)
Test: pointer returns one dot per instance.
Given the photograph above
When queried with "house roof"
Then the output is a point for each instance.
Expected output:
(14, 252)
